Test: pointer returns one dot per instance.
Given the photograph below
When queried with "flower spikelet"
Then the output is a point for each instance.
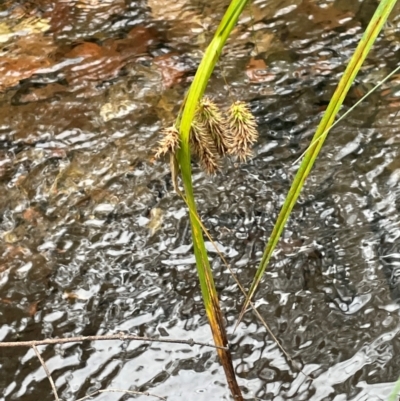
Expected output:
(169, 142)
(204, 147)
(209, 114)
(243, 130)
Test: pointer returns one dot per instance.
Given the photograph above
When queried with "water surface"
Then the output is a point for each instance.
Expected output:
(95, 241)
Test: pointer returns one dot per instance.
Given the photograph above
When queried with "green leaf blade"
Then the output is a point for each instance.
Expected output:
(363, 48)
(196, 91)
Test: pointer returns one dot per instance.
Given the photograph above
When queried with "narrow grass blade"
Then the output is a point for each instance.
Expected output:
(204, 271)
(394, 395)
(343, 116)
(363, 48)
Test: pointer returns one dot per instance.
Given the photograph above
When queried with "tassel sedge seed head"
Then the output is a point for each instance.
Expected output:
(204, 147)
(169, 143)
(210, 115)
(243, 130)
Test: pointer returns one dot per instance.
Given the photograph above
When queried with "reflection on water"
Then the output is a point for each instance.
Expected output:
(95, 241)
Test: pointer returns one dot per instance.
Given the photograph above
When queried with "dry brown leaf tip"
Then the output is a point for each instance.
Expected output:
(243, 130)
(169, 143)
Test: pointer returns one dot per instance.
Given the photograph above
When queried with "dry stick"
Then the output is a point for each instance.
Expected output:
(116, 390)
(110, 390)
(47, 372)
(119, 336)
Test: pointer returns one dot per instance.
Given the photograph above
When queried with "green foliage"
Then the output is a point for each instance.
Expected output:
(182, 158)
(394, 395)
(363, 48)
(194, 95)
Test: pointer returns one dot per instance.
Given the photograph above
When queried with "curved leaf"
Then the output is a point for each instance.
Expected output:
(363, 48)
(204, 271)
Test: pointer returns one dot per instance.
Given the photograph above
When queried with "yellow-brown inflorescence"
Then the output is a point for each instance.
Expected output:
(213, 135)
(169, 143)
(242, 127)
(203, 146)
(210, 115)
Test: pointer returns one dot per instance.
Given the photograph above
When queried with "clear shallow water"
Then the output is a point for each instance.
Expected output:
(82, 254)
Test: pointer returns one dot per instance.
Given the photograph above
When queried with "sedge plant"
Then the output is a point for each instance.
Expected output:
(181, 158)
(201, 129)
(364, 46)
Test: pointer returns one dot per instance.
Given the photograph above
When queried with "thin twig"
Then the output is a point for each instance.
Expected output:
(53, 386)
(119, 336)
(251, 304)
(116, 390)
(208, 235)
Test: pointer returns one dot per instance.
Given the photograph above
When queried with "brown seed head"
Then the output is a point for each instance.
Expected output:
(169, 142)
(204, 147)
(210, 115)
(243, 130)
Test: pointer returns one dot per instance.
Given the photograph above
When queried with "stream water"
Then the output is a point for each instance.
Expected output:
(94, 240)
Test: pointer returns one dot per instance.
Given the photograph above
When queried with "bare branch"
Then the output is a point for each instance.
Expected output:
(120, 336)
(116, 390)
(53, 386)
